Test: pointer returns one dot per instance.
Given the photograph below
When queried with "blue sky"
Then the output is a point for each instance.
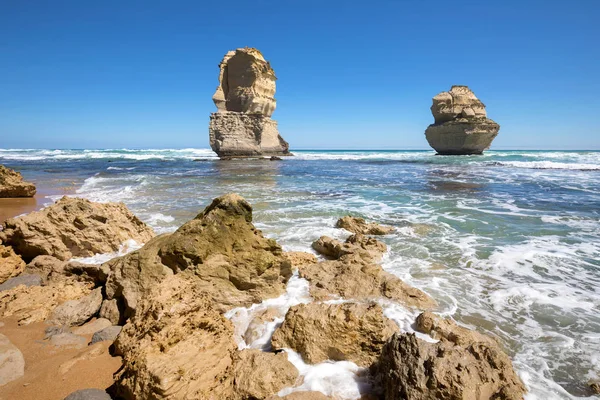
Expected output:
(351, 74)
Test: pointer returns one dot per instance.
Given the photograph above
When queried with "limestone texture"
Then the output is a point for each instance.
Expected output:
(11, 264)
(12, 184)
(230, 259)
(463, 365)
(359, 225)
(461, 125)
(74, 227)
(339, 332)
(242, 125)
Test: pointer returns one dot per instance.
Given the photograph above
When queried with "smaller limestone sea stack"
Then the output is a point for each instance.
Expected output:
(12, 184)
(461, 125)
(242, 126)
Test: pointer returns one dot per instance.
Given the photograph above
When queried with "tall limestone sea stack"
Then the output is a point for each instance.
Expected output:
(461, 125)
(242, 125)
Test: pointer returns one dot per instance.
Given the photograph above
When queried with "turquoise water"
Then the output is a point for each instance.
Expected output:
(508, 242)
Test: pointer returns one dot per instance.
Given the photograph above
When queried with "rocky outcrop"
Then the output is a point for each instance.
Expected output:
(74, 227)
(359, 225)
(463, 365)
(242, 126)
(230, 259)
(12, 363)
(11, 264)
(353, 275)
(12, 184)
(35, 303)
(461, 125)
(339, 332)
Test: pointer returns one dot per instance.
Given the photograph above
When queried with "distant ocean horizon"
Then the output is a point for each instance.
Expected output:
(507, 242)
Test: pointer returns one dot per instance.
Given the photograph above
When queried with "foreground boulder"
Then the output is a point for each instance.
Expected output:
(463, 365)
(179, 346)
(74, 227)
(12, 184)
(359, 225)
(11, 264)
(242, 126)
(233, 263)
(77, 312)
(339, 332)
(461, 125)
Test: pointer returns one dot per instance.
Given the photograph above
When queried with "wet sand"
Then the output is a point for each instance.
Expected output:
(51, 373)
(16, 206)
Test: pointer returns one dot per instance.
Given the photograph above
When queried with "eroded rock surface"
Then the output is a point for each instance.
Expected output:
(242, 126)
(461, 124)
(74, 227)
(356, 246)
(11, 264)
(13, 185)
(77, 312)
(463, 365)
(359, 225)
(339, 332)
(232, 261)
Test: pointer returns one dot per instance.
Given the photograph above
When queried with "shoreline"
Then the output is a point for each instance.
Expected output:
(13, 207)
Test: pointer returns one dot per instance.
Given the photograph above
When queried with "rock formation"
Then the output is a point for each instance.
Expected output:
(12, 184)
(359, 225)
(339, 332)
(12, 363)
(10, 264)
(242, 126)
(461, 125)
(464, 364)
(74, 227)
(227, 256)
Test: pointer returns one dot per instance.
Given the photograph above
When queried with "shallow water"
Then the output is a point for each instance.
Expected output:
(508, 242)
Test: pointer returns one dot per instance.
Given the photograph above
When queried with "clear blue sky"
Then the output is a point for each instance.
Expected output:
(351, 74)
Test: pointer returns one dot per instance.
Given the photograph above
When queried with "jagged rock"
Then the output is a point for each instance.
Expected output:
(354, 279)
(108, 333)
(12, 363)
(12, 184)
(35, 303)
(46, 266)
(89, 394)
(339, 332)
(74, 227)
(242, 126)
(463, 365)
(78, 312)
(359, 225)
(258, 375)
(25, 280)
(461, 124)
(231, 260)
(356, 246)
(92, 326)
(11, 264)
(595, 386)
(298, 258)
(97, 274)
(176, 346)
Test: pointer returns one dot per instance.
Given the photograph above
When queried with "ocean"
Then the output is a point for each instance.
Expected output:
(507, 242)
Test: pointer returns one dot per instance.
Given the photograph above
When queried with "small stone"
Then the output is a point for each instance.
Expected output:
(25, 279)
(12, 363)
(109, 333)
(89, 394)
(77, 312)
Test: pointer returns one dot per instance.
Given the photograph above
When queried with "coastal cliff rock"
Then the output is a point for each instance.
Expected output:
(461, 125)
(242, 125)
(74, 227)
(12, 184)
(232, 261)
(339, 332)
(11, 264)
(463, 365)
